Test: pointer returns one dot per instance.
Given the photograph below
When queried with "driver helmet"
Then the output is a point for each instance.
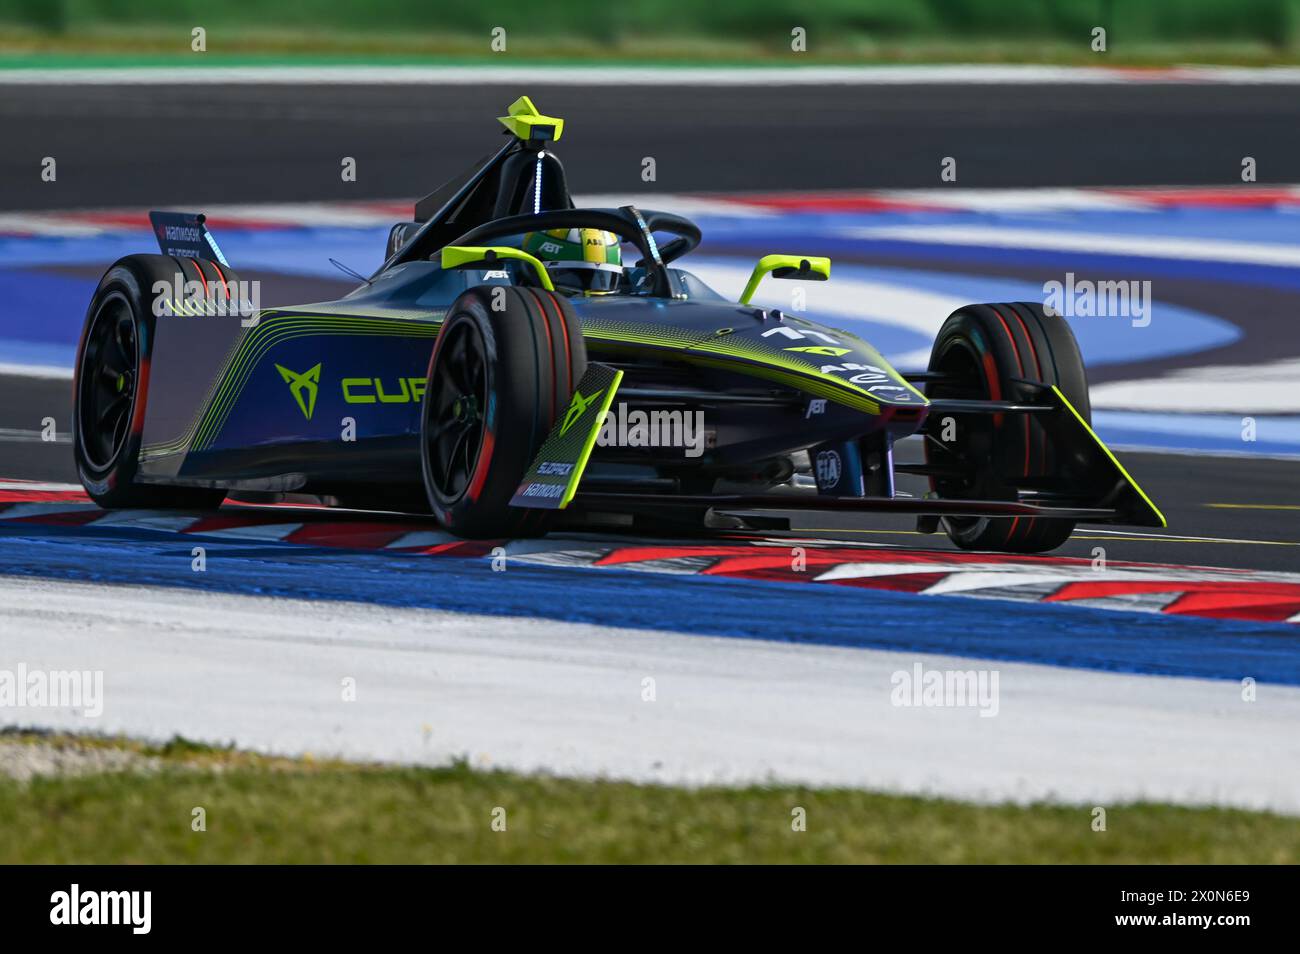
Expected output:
(586, 259)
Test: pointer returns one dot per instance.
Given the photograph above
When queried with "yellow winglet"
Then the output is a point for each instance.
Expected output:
(470, 256)
(805, 267)
(524, 121)
(1160, 517)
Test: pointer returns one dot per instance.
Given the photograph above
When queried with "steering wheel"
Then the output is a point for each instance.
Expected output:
(628, 223)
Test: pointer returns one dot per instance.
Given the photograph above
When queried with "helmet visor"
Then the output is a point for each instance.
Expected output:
(585, 276)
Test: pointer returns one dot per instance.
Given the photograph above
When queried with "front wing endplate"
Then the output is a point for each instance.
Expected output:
(552, 478)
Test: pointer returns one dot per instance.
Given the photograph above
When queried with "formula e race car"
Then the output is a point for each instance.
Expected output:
(505, 369)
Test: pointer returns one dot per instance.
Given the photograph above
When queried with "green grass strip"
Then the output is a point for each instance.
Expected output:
(277, 810)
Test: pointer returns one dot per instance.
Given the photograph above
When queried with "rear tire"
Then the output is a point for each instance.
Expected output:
(1006, 352)
(111, 383)
(498, 381)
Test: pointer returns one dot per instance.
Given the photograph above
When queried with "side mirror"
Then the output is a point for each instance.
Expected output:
(475, 256)
(800, 267)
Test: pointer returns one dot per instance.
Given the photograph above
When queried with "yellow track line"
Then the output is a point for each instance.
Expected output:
(915, 533)
(1153, 538)
(1236, 506)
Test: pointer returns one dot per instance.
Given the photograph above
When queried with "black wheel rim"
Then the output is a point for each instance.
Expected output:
(454, 409)
(109, 377)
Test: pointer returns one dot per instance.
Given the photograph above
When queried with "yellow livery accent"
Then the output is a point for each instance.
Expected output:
(524, 121)
(458, 256)
(801, 267)
(1113, 459)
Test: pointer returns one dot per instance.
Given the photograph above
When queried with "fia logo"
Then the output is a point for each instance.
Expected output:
(828, 469)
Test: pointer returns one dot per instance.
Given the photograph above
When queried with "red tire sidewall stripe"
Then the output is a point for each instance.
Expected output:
(1042, 445)
(568, 350)
(550, 351)
(203, 278)
(991, 374)
(484, 458)
(1020, 365)
(222, 275)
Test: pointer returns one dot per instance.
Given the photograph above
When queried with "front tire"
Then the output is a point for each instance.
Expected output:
(1003, 352)
(499, 379)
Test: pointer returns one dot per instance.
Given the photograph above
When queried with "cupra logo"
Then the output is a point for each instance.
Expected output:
(303, 387)
(577, 407)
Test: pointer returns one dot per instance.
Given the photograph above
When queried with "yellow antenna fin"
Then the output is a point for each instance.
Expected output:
(523, 120)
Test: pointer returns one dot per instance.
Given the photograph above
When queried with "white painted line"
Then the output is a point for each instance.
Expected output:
(269, 531)
(147, 520)
(36, 371)
(57, 223)
(1214, 389)
(314, 214)
(1200, 451)
(17, 435)
(19, 511)
(589, 75)
(1001, 573)
(1176, 538)
(989, 236)
(1018, 200)
(36, 485)
(968, 583)
(678, 203)
(422, 538)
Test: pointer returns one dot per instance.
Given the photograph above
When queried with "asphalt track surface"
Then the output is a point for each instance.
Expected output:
(193, 146)
(150, 146)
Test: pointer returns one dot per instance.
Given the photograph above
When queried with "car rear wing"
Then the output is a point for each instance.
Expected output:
(185, 235)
